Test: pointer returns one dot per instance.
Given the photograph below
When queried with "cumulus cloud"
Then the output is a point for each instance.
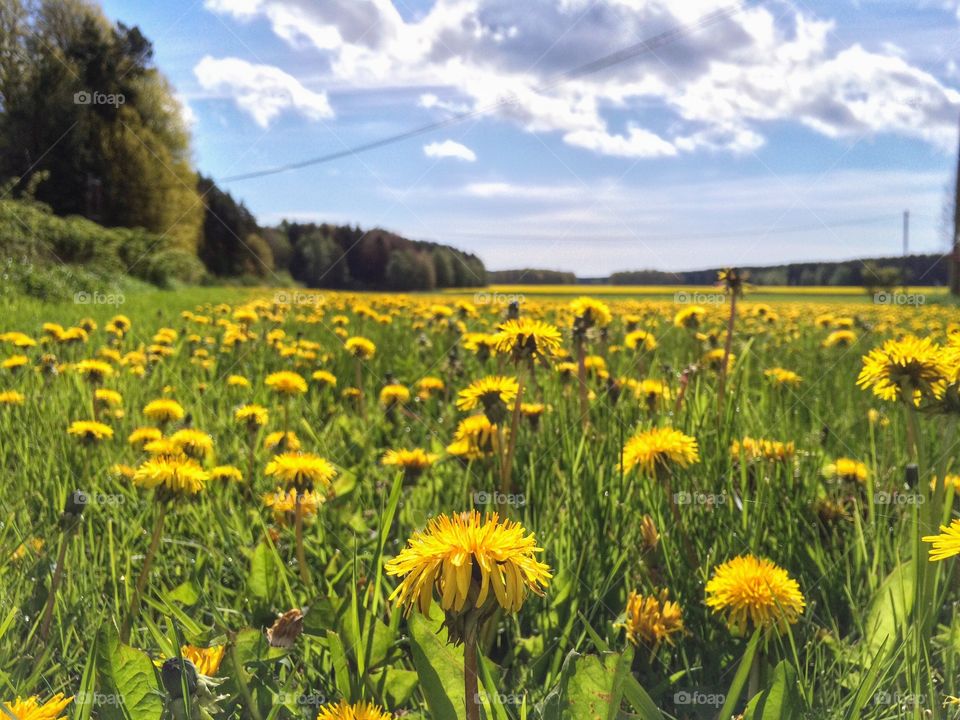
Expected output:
(262, 91)
(716, 88)
(449, 149)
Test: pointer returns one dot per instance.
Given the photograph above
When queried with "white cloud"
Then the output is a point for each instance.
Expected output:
(716, 88)
(262, 91)
(182, 107)
(449, 149)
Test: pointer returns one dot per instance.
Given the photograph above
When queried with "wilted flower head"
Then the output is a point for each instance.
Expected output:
(652, 619)
(286, 629)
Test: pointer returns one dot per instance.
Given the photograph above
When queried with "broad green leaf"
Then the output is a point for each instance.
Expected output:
(262, 580)
(129, 682)
(890, 608)
(780, 701)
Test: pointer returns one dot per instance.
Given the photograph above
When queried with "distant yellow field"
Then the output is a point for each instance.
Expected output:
(662, 290)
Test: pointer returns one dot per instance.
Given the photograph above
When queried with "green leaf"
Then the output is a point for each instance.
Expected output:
(440, 667)
(740, 679)
(780, 701)
(396, 686)
(341, 667)
(262, 580)
(129, 682)
(890, 608)
(186, 593)
(593, 691)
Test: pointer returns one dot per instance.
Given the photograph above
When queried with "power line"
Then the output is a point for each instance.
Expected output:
(644, 47)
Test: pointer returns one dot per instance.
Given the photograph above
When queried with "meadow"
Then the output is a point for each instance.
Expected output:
(249, 503)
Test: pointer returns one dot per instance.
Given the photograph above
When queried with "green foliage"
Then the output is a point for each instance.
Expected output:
(52, 258)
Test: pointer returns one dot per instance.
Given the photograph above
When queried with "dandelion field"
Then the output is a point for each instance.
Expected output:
(257, 504)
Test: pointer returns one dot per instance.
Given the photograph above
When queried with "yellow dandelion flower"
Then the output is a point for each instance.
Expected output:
(360, 347)
(527, 338)
(394, 394)
(462, 558)
(301, 470)
(475, 437)
(238, 381)
(640, 340)
(163, 410)
(177, 475)
(286, 382)
(781, 376)
(278, 442)
(193, 443)
(690, 318)
(847, 469)
(755, 591)
(205, 660)
(14, 362)
(488, 392)
(93, 370)
(90, 430)
(143, 435)
(840, 338)
(946, 544)
(658, 448)
(226, 472)
(413, 462)
(253, 416)
(594, 312)
(358, 711)
(325, 378)
(11, 397)
(283, 503)
(909, 368)
(33, 709)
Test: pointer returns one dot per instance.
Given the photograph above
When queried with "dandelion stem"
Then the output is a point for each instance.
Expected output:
(582, 382)
(505, 479)
(55, 584)
(134, 610)
(298, 531)
(359, 381)
(727, 347)
(471, 690)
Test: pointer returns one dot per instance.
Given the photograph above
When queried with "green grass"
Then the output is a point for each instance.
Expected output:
(871, 633)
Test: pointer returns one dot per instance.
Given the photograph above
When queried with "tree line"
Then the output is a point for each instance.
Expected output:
(90, 127)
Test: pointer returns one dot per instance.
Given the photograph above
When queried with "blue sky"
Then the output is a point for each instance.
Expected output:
(784, 131)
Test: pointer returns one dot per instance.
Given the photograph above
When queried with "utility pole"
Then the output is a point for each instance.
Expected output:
(955, 240)
(906, 249)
